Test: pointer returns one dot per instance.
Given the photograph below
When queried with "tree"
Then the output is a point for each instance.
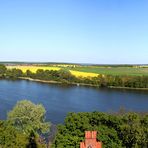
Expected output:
(28, 117)
(10, 137)
(132, 131)
(2, 69)
(14, 73)
(40, 73)
(29, 73)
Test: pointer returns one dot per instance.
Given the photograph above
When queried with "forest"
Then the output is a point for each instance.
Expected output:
(129, 130)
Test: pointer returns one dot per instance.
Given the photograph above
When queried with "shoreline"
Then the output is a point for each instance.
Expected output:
(56, 82)
(79, 84)
(38, 80)
(130, 88)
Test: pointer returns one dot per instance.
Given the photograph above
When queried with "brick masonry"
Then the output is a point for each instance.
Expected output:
(90, 140)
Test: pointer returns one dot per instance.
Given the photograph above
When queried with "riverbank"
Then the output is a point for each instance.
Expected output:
(130, 88)
(78, 84)
(56, 82)
(38, 80)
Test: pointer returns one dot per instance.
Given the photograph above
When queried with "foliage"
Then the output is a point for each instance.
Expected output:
(10, 137)
(25, 123)
(133, 132)
(14, 73)
(2, 70)
(127, 130)
(28, 117)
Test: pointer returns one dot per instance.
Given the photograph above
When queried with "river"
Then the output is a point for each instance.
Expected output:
(58, 99)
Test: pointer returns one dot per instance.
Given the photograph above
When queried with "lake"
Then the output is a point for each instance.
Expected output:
(58, 100)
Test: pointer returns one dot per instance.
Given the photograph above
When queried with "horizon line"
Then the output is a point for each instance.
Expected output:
(47, 62)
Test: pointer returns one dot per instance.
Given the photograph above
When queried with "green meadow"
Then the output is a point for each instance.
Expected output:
(132, 71)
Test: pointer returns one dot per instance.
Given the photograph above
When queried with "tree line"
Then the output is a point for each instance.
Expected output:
(64, 76)
(128, 130)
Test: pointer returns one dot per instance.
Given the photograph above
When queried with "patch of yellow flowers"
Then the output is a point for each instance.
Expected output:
(83, 74)
(32, 68)
(35, 68)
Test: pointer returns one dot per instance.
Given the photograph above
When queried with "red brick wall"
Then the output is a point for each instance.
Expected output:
(91, 140)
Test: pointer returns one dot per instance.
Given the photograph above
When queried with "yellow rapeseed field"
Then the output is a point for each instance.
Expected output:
(32, 68)
(83, 74)
(35, 68)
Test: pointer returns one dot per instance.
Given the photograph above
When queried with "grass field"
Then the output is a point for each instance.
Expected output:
(133, 71)
(89, 71)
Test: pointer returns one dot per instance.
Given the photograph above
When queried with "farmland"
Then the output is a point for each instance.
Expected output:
(132, 71)
(88, 71)
(33, 69)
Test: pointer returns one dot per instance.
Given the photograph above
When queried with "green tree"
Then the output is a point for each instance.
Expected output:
(28, 117)
(29, 73)
(40, 73)
(14, 73)
(10, 137)
(65, 74)
(2, 69)
(132, 131)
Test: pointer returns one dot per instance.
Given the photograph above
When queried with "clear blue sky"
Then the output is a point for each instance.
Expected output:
(82, 31)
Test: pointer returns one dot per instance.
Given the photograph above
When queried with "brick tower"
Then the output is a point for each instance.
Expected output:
(90, 140)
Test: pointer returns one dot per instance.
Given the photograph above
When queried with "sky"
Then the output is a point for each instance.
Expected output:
(75, 31)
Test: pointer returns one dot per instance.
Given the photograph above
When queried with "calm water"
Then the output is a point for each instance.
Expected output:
(59, 100)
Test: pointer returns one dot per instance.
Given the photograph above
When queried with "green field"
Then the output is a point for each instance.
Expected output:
(113, 70)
